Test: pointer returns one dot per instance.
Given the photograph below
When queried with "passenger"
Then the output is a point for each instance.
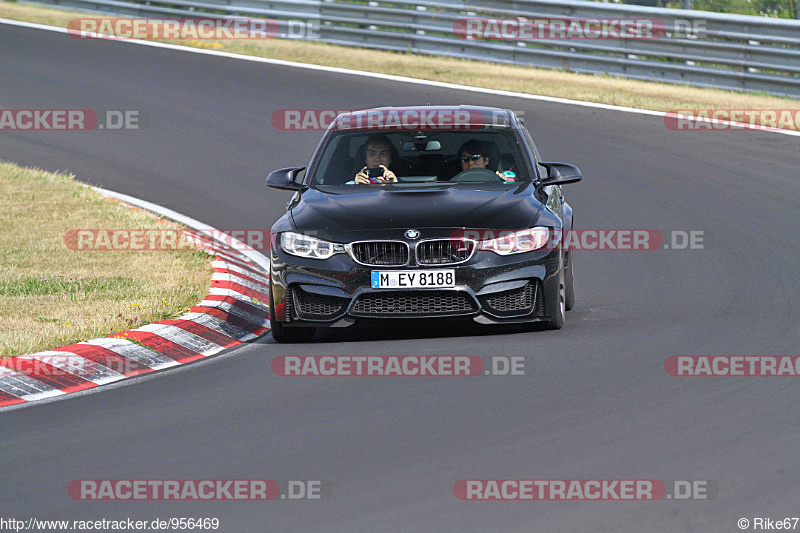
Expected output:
(471, 155)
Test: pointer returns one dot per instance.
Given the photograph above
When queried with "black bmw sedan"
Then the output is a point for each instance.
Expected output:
(421, 212)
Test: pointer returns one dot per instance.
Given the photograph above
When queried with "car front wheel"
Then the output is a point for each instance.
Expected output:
(557, 321)
(569, 290)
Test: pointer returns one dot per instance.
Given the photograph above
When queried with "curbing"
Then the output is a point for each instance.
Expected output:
(236, 310)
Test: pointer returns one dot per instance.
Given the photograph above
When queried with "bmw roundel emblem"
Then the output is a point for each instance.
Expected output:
(412, 234)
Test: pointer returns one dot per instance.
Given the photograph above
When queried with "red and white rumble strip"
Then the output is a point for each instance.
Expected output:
(235, 310)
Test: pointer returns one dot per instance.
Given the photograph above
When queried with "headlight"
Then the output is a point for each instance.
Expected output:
(304, 246)
(516, 242)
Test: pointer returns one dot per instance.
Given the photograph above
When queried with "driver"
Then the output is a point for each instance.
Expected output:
(378, 153)
(470, 155)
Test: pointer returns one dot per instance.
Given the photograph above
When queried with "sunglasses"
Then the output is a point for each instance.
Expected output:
(475, 157)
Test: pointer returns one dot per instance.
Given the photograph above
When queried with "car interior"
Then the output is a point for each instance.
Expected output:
(422, 157)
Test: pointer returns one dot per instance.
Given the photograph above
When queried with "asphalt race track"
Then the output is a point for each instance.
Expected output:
(595, 403)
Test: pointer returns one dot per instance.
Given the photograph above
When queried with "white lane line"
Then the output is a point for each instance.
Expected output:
(406, 79)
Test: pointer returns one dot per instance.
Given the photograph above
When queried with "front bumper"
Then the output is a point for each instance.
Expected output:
(490, 288)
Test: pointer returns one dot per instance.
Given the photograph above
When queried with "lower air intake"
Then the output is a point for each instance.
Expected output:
(312, 306)
(514, 302)
(418, 303)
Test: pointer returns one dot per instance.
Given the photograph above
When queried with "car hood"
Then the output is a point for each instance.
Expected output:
(339, 210)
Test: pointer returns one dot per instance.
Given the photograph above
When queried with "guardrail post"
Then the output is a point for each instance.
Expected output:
(687, 4)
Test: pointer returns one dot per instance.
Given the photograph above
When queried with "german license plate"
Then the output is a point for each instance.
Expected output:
(413, 279)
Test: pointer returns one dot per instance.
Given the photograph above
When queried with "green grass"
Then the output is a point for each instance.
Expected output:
(51, 295)
(73, 288)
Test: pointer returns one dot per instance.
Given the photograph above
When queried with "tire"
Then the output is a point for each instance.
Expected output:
(569, 289)
(281, 333)
(557, 322)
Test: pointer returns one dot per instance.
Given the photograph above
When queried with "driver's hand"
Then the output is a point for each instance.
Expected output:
(361, 177)
(388, 176)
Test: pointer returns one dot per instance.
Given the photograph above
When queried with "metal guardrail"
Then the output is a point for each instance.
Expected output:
(724, 51)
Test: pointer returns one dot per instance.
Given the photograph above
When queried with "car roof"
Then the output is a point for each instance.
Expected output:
(411, 118)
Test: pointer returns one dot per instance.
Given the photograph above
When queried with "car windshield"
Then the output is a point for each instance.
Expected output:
(422, 157)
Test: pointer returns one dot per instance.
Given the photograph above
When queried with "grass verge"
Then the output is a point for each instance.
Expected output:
(51, 296)
(590, 88)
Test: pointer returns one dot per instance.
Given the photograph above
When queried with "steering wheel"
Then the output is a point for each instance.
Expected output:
(476, 174)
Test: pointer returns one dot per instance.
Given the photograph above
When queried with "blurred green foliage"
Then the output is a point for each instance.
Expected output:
(763, 8)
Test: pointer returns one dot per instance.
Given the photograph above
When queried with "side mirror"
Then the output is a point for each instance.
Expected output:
(285, 178)
(561, 174)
